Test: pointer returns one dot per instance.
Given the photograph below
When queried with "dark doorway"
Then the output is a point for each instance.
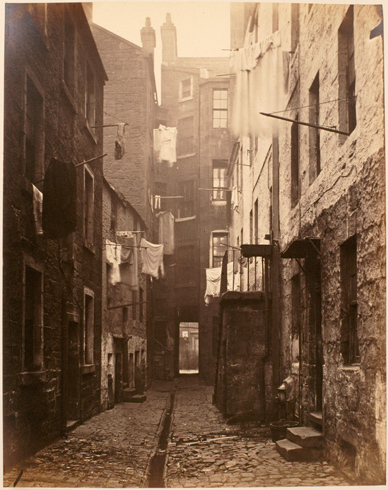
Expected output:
(118, 381)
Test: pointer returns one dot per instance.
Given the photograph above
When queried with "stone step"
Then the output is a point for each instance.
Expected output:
(135, 398)
(306, 437)
(316, 419)
(293, 452)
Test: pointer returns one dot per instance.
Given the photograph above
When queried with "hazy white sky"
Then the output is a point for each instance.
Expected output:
(203, 28)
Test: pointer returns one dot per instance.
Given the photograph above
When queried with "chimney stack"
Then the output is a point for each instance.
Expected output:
(169, 44)
(148, 38)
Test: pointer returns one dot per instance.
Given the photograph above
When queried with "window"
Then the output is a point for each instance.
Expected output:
(220, 108)
(88, 206)
(347, 74)
(219, 179)
(32, 316)
(69, 54)
(90, 99)
(349, 338)
(88, 329)
(251, 226)
(134, 305)
(113, 215)
(256, 221)
(186, 204)
(219, 247)
(314, 137)
(141, 299)
(185, 141)
(186, 88)
(294, 163)
(33, 130)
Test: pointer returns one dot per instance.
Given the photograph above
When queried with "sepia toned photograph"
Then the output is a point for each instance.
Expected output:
(194, 245)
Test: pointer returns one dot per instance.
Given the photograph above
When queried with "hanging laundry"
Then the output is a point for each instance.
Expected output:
(213, 283)
(158, 203)
(120, 142)
(37, 204)
(113, 257)
(166, 231)
(260, 86)
(129, 263)
(59, 211)
(165, 144)
(152, 258)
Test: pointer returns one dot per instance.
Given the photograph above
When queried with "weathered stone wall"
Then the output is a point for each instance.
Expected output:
(35, 402)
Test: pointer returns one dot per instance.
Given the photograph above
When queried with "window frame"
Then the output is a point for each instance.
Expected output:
(295, 184)
(182, 96)
(88, 327)
(90, 99)
(37, 362)
(314, 133)
(218, 234)
(219, 195)
(185, 202)
(36, 174)
(88, 208)
(218, 110)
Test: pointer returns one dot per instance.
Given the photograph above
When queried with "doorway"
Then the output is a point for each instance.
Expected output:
(72, 404)
(188, 347)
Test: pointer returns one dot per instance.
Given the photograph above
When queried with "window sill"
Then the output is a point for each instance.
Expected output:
(185, 99)
(90, 131)
(31, 378)
(219, 202)
(189, 218)
(351, 368)
(185, 155)
(88, 368)
(90, 247)
(69, 96)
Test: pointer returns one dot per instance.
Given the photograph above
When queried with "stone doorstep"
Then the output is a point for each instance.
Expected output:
(306, 437)
(293, 452)
(135, 398)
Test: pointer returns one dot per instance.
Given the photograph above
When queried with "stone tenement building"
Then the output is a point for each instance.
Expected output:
(312, 188)
(53, 101)
(124, 304)
(195, 100)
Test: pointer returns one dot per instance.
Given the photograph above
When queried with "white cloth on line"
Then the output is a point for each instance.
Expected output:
(166, 231)
(165, 144)
(113, 257)
(152, 258)
(213, 283)
(37, 206)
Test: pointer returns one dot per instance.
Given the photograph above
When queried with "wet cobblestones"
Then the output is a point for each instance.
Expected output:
(205, 452)
(110, 450)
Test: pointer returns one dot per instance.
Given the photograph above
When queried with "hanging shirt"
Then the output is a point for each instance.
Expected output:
(113, 257)
(59, 210)
(213, 283)
(152, 258)
(166, 231)
(120, 142)
(37, 204)
(129, 263)
(165, 144)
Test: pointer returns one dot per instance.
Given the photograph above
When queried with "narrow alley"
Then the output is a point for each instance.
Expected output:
(116, 448)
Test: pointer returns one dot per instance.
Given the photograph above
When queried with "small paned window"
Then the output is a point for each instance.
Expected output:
(219, 180)
(349, 335)
(88, 327)
(219, 247)
(220, 108)
(186, 88)
(186, 204)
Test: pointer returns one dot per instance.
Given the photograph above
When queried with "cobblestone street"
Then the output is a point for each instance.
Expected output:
(110, 450)
(115, 449)
(206, 452)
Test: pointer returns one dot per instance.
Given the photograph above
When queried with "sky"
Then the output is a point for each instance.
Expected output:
(203, 28)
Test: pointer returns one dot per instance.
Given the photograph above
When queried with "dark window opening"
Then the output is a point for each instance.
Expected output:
(349, 337)
(314, 136)
(186, 204)
(294, 163)
(34, 136)
(32, 320)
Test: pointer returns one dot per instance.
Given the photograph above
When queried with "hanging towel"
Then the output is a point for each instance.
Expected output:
(120, 142)
(59, 211)
(113, 257)
(152, 258)
(129, 264)
(157, 203)
(213, 283)
(165, 144)
(166, 231)
(37, 204)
